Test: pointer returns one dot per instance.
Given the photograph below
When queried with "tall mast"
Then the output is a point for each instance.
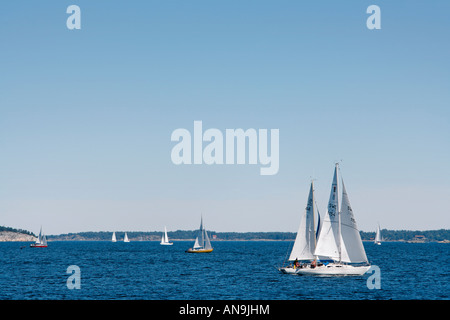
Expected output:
(314, 221)
(338, 211)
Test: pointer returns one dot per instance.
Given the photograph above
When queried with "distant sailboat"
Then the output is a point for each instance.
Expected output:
(202, 243)
(41, 241)
(339, 240)
(165, 239)
(125, 239)
(114, 237)
(305, 241)
(378, 236)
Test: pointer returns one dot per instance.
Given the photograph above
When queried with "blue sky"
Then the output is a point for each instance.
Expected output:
(86, 115)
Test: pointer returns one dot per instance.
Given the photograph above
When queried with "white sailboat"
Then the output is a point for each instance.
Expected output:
(113, 239)
(41, 241)
(339, 240)
(125, 239)
(165, 238)
(378, 236)
(305, 241)
(202, 243)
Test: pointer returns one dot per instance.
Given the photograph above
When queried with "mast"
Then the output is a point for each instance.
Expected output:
(339, 213)
(314, 219)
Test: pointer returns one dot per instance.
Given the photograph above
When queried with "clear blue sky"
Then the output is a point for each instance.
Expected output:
(86, 115)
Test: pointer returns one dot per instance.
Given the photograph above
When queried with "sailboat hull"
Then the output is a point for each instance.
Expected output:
(198, 250)
(166, 243)
(36, 245)
(288, 270)
(334, 270)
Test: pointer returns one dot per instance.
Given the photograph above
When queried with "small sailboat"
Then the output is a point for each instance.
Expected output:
(165, 239)
(378, 236)
(41, 241)
(305, 241)
(113, 239)
(339, 249)
(125, 239)
(202, 243)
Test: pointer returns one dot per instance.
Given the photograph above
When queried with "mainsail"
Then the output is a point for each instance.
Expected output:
(328, 240)
(378, 235)
(305, 241)
(339, 237)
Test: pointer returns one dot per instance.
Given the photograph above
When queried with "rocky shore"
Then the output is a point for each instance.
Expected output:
(15, 236)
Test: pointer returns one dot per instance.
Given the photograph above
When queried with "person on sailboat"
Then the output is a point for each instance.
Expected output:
(296, 263)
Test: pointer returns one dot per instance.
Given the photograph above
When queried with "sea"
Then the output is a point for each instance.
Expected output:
(235, 270)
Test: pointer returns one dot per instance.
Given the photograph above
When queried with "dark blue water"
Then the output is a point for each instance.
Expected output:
(234, 271)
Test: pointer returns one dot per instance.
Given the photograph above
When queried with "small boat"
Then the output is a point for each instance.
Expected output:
(125, 239)
(378, 236)
(305, 241)
(113, 239)
(339, 249)
(165, 239)
(202, 243)
(41, 241)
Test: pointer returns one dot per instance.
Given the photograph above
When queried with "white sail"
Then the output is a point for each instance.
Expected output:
(207, 244)
(166, 238)
(329, 241)
(113, 239)
(305, 241)
(38, 240)
(125, 239)
(378, 235)
(44, 240)
(352, 249)
(196, 244)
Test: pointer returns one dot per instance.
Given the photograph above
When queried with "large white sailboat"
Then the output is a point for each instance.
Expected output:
(339, 249)
(41, 241)
(165, 238)
(202, 243)
(305, 241)
(378, 236)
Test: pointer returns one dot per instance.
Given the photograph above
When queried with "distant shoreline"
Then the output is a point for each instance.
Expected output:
(415, 236)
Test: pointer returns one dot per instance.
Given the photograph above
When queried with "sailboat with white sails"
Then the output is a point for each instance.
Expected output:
(202, 243)
(113, 239)
(41, 241)
(165, 238)
(378, 236)
(125, 239)
(339, 249)
(305, 241)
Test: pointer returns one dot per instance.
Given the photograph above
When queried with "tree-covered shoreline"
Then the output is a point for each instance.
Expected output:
(388, 235)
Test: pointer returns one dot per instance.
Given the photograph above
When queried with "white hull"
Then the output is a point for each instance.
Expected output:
(288, 270)
(166, 243)
(334, 269)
